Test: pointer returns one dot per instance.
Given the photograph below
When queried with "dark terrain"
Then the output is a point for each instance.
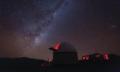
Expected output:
(33, 65)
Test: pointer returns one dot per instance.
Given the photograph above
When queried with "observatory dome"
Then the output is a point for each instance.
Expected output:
(63, 47)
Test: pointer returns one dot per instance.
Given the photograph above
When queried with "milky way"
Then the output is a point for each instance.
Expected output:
(27, 16)
(21, 21)
(29, 27)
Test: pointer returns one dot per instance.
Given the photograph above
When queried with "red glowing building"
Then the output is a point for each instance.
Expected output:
(64, 53)
(96, 57)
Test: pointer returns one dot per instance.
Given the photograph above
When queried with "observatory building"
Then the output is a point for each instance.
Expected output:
(64, 53)
(96, 57)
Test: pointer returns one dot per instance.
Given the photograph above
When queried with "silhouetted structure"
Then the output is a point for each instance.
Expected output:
(64, 60)
(96, 57)
(64, 53)
(34, 65)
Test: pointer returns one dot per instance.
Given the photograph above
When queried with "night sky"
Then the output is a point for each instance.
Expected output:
(29, 27)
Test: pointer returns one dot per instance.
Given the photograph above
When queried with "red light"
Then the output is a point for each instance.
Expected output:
(57, 46)
(106, 57)
(85, 57)
(49, 60)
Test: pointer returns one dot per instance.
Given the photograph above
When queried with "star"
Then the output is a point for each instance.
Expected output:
(114, 26)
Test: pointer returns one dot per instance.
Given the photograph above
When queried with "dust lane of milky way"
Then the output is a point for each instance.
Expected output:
(21, 21)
